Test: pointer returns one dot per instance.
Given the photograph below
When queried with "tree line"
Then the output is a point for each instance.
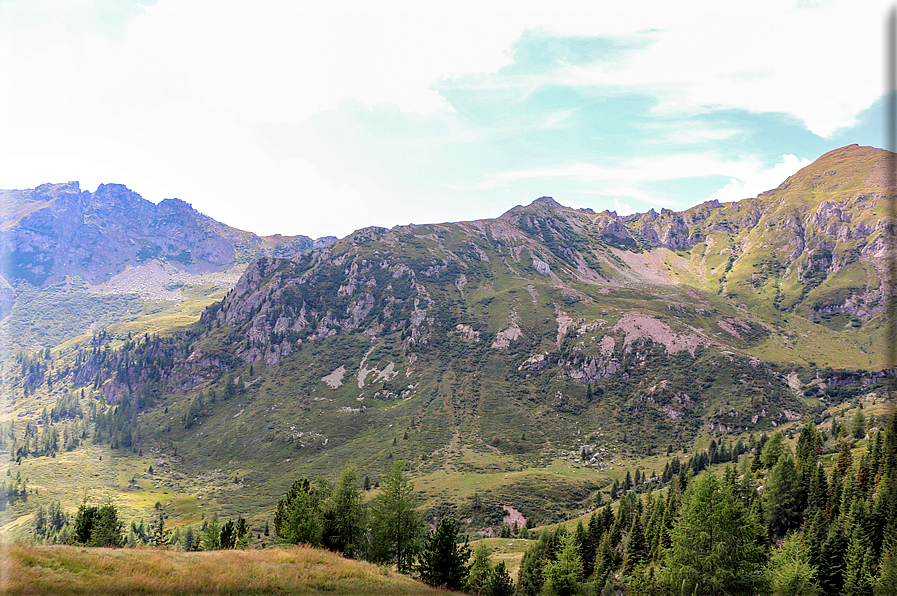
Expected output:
(786, 525)
(787, 522)
(388, 531)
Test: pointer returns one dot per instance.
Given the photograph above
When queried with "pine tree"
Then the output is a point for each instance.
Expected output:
(443, 562)
(499, 583)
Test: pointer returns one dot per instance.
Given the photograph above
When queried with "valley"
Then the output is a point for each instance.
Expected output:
(534, 361)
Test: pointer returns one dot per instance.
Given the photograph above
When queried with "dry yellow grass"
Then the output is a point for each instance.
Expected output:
(293, 570)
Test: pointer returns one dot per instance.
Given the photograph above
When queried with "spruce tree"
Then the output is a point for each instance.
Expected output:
(780, 505)
(586, 549)
(211, 536)
(636, 547)
(227, 537)
(297, 519)
(859, 567)
(859, 425)
(162, 535)
(530, 577)
(772, 450)
(887, 573)
(343, 515)
(790, 572)
(845, 458)
(814, 537)
(831, 565)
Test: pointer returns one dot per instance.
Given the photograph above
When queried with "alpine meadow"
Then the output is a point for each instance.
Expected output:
(554, 401)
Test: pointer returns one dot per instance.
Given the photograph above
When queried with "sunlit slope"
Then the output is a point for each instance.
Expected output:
(532, 358)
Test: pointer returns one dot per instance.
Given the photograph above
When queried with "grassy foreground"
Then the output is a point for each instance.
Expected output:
(293, 570)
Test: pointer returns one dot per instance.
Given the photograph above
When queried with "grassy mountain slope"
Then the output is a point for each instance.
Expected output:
(530, 359)
(296, 571)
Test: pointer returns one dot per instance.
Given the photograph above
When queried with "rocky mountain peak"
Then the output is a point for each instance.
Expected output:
(56, 231)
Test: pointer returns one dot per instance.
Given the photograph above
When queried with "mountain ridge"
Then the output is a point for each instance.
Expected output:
(95, 257)
(504, 349)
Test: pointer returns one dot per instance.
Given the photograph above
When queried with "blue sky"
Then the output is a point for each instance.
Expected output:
(320, 118)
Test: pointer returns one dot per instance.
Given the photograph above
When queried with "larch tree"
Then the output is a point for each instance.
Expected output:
(563, 575)
(397, 528)
(714, 543)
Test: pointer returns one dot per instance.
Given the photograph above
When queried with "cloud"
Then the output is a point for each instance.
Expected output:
(180, 98)
(760, 181)
(570, 204)
(762, 57)
(687, 132)
(622, 209)
(640, 169)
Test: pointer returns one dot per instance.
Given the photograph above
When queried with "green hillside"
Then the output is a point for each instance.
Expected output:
(527, 361)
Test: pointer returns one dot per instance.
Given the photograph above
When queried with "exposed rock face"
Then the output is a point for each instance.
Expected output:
(58, 230)
(554, 321)
(594, 369)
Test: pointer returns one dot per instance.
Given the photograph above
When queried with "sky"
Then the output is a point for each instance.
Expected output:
(320, 118)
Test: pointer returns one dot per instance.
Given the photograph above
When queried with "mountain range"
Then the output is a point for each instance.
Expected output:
(104, 249)
(523, 362)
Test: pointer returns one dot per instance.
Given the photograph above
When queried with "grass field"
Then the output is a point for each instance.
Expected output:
(300, 571)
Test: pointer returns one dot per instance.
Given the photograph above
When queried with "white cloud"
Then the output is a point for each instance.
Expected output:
(819, 64)
(570, 204)
(169, 98)
(622, 209)
(686, 132)
(760, 181)
(642, 169)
